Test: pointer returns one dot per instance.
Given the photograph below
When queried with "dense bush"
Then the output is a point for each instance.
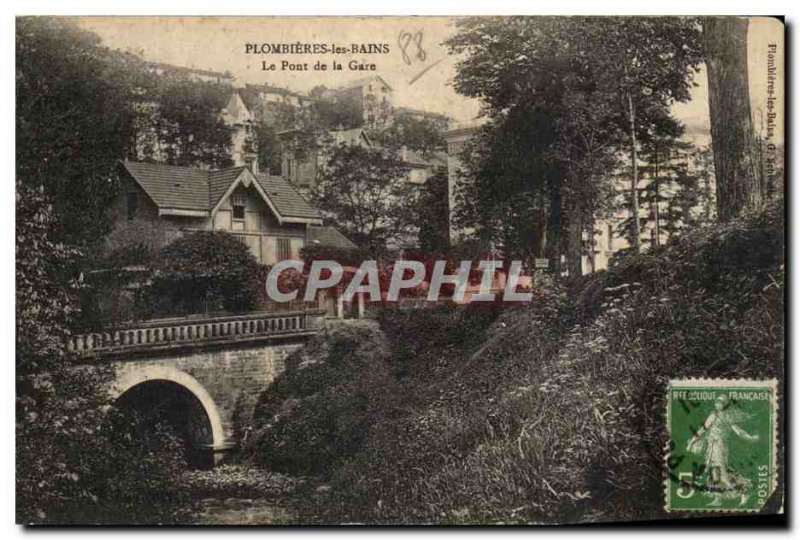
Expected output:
(205, 270)
(319, 409)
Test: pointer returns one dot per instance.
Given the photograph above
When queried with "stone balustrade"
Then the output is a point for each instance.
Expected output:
(196, 330)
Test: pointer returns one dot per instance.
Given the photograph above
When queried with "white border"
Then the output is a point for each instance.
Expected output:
(305, 7)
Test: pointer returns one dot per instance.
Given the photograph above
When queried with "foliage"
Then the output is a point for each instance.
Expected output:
(74, 119)
(677, 189)
(580, 436)
(319, 409)
(433, 211)
(419, 134)
(72, 466)
(599, 79)
(180, 122)
(205, 270)
(365, 192)
(509, 185)
(307, 128)
(269, 149)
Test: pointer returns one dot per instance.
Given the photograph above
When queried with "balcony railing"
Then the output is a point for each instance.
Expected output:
(189, 331)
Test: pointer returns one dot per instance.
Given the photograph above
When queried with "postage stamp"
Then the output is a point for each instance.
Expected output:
(722, 453)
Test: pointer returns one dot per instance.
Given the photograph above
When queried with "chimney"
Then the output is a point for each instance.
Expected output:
(251, 163)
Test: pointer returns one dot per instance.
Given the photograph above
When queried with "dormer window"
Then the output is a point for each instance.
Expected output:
(237, 201)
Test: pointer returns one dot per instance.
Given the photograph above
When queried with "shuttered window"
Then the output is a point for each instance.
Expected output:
(238, 202)
(284, 249)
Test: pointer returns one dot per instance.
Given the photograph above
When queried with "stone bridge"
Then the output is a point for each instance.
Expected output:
(201, 374)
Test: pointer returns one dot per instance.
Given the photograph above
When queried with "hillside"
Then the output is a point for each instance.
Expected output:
(553, 412)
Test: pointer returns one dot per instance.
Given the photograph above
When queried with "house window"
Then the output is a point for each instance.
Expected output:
(131, 204)
(284, 249)
(289, 167)
(238, 205)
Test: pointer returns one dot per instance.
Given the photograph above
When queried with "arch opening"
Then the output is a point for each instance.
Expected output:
(159, 407)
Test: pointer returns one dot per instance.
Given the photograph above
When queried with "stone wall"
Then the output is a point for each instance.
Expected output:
(226, 381)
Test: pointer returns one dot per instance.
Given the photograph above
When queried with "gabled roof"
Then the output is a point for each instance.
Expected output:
(174, 189)
(236, 111)
(171, 186)
(325, 236)
(350, 136)
(285, 198)
(219, 182)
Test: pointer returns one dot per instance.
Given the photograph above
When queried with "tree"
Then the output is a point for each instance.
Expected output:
(190, 130)
(418, 134)
(648, 64)
(71, 466)
(433, 211)
(307, 128)
(505, 193)
(366, 193)
(74, 120)
(599, 76)
(205, 270)
(739, 183)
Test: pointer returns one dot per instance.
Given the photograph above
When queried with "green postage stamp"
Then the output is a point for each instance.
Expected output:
(723, 443)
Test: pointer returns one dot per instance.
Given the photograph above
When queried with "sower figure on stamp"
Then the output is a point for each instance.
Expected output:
(713, 435)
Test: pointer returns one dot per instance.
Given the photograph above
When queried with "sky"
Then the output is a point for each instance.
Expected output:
(422, 81)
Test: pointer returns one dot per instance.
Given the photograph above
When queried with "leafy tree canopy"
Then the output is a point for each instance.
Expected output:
(366, 193)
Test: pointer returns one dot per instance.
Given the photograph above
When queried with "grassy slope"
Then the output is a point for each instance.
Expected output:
(555, 412)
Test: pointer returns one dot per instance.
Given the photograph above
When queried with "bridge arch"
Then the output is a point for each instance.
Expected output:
(130, 377)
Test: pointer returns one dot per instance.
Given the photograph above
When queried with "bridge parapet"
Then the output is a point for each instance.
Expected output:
(175, 333)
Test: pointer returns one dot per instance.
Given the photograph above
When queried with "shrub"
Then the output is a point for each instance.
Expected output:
(205, 270)
(318, 410)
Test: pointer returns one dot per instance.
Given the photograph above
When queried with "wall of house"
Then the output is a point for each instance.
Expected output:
(145, 207)
(259, 229)
(302, 172)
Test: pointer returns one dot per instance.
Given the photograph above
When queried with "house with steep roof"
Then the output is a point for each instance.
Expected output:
(373, 94)
(302, 170)
(265, 212)
(241, 122)
(442, 121)
(266, 94)
(194, 74)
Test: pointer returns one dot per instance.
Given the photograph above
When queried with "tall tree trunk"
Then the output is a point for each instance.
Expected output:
(552, 247)
(656, 194)
(575, 240)
(738, 182)
(637, 229)
(592, 244)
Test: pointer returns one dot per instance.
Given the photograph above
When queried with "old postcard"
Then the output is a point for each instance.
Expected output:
(399, 270)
